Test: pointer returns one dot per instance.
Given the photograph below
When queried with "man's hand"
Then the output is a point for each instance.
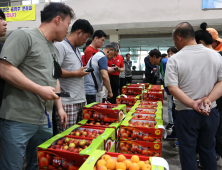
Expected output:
(154, 70)
(206, 102)
(81, 72)
(111, 70)
(47, 93)
(110, 95)
(63, 117)
(196, 104)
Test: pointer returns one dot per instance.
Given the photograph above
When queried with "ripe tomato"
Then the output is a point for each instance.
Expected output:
(43, 162)
(56, 162)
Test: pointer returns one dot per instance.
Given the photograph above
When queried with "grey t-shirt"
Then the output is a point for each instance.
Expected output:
(71, 61)
(195, 70)
(99, 62)
(32, 54)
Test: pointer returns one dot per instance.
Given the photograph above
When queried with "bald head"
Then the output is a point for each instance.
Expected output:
(184, 30)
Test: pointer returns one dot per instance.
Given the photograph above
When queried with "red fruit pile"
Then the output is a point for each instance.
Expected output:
(147, 117)
(134, 148)
(142, 124)
(49, 161)
(136, 135)
(71, 144)
(87, 133)
(92, 122)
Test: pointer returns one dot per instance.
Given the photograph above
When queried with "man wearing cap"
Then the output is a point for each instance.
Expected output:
(217, 42)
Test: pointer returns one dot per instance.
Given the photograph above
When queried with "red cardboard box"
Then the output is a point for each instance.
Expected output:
(132, 90)
(129, 100)
(104, 112)
(153, 95)
(140, 148)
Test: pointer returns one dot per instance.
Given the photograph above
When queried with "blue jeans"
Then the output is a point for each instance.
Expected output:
(195, 130)
(170, 105)
(18, 139)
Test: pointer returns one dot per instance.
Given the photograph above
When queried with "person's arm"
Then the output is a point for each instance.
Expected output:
(70, 74)
(15, 77)
(106, 82)
(58, 103)
(121, 68)
(111, 70)
(148, 64)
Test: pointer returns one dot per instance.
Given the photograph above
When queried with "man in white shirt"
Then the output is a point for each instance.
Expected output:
(193, 73)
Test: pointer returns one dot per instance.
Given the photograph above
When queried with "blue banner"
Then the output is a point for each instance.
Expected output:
(211, 4)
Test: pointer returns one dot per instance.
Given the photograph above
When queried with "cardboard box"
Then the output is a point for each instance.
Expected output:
(129, 100)
(128, 108)
(140, 148)
(155, 88)
(151, 117)
(132, 90)
(149, 104)
(157, 163)
(129, 132)
(152, 95)
(104, 112)
(108, 136)
(116, 126)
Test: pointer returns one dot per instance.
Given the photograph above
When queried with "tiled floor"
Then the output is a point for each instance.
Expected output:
(171, 153)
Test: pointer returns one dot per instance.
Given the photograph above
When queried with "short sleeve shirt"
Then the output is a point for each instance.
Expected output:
(71, 61)
(99, 62)
(118, 62)
(195, 70)
(89, 52)
(32, 54)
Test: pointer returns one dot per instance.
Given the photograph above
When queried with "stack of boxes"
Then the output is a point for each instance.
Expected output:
(106, 130)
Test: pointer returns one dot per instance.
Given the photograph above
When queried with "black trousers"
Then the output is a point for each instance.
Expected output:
(195, 130)
(114, 82)
(90, 98)
(149, 78)
(128, 80)
(122, 82)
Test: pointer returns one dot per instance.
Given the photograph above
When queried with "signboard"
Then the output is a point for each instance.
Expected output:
(211, 4)
(19, 13)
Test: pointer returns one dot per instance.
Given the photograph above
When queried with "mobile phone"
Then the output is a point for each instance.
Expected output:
(207, 108)
(89, 69)
(63, 94)
(116, 68)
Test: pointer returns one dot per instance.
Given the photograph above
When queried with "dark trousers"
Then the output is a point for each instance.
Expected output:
(128, 80)
(219, 137)
(90, 98)
(149, 78)
(195, 130)
(114, 82)
(122, 82)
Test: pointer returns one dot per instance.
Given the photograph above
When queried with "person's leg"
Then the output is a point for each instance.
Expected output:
(121, 80)
(130, 79)
(187, 124)
(206, 140)
(170, 105)
(54, 121)
(115, 88)
(148, 78)
(219, 137)
(43, 134)
(14, 139)
(80, 111)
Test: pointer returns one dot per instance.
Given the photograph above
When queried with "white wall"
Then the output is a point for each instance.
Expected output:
(113, 14)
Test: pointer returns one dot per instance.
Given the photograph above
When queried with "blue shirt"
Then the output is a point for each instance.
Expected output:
(163, 63)
(149, 66)
(99, 62)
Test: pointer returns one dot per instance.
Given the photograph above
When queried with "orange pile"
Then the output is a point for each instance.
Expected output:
(107, 163)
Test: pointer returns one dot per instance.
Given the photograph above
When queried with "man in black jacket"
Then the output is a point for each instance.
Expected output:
(149, 71)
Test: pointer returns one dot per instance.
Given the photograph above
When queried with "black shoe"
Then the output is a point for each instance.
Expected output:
(169, 126)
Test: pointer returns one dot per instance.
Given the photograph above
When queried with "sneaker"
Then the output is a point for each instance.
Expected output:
(169, 126)
(171, 137)
(176, 143)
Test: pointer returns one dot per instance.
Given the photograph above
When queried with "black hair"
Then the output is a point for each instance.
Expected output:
(2, 14)
(155, 52)
(172, 49)
(83, 25)
(87, 44)
(203, 35)
(127, 54)
(164, 55)
(54, 9)
(98, 34)
(184, 30)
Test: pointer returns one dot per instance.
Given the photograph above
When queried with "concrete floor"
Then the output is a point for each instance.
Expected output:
(171, 153)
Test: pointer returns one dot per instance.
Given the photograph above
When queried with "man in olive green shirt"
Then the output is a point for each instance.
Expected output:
(27, 64)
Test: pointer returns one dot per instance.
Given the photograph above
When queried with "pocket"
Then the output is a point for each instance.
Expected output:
(215, 111)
